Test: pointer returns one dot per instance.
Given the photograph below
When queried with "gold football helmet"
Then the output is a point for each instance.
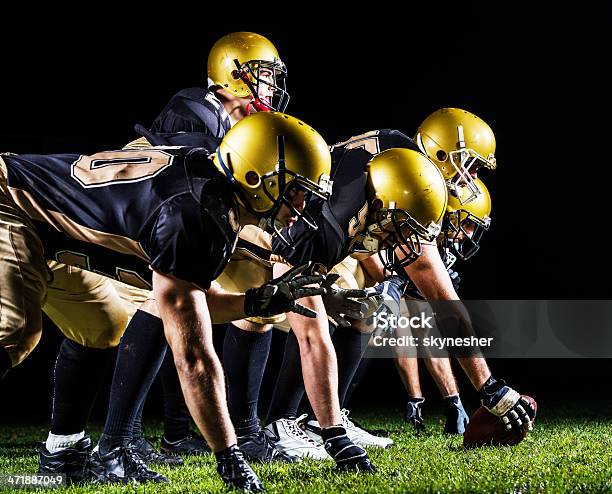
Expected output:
(243, 63)
(407, 199)
(458, 142)
(265, 155)
(466, 222)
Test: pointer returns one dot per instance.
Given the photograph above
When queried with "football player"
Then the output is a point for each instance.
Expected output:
(365, 208)
(459, 143)
(176, 241)
(82, 361)
(462, 229)
(245, 75)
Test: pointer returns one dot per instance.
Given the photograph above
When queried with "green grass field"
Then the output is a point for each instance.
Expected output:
(569, 452)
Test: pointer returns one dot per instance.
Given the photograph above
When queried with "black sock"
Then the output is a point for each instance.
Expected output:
(289, 388)
(137, 422)
(140, 355)
(350, 346)
(6, 363)
(245, 354)
(79, 373)
(177, 419)
(362, 370)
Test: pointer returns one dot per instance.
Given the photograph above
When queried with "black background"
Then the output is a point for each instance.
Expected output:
(538, 75)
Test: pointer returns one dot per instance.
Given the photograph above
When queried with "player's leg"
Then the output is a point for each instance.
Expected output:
(442, 372)
(178, 438)
(133, 298)
(350, 344)
(245, 353)
(88, 311)
(408, 369)
(139, 357)
(283, 425)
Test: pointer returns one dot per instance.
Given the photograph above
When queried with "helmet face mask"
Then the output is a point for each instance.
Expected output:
(267, 156)
(264, 76)
(459, 143)
(465, 222)
(463, 232)
(398, 239)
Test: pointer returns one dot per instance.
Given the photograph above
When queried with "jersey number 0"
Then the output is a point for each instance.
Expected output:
(115, 167)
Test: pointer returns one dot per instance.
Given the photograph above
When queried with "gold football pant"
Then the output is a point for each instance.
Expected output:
(88, 308)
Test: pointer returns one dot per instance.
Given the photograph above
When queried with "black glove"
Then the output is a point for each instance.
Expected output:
(456, 417)
(341, 303)
(514, 411)
(5, 362)
(281, 294)
(347, 455)
(236, 472)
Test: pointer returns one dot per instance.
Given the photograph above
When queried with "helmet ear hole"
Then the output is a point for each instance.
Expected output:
(252, 178)
(377, 204)
(235, 74)
(441, 155)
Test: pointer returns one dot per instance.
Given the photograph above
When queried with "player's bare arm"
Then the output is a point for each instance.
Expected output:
(188, 329)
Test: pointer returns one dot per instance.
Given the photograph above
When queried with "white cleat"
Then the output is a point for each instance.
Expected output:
(288, 437)
(356, 434)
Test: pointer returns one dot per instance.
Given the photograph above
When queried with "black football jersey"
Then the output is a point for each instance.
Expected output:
(344, 214)
(193, 110)
(123, 213)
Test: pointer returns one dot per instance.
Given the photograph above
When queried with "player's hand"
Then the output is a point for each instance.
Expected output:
(514, 411)
(455, 278)
(281, 294)
(346, 454)
(388, 295)
(341, 303)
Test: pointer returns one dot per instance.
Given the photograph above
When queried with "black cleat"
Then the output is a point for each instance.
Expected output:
(150, 455)
(71, 461)
(258, 447)
(236, 472)
(413, 414)
(189, 446)
(123, 464)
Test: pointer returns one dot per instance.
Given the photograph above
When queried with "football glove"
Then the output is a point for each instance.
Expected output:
(456, 418)
(414, 414)
(346, 454)
(341, 303)
(388, 295)
(514, 411)
(455, 278)
(281, 294)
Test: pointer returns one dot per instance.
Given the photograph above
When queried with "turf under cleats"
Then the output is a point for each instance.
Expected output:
(288, 437)
(346, 454)
(258, 447)
(456, 417)
(236, 472)
(355, 433)
(413, 414)
(191, 445)
(124, 464)
(151, 456)
(72, 461)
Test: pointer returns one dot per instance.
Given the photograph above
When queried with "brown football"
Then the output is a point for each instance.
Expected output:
(486, 429)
